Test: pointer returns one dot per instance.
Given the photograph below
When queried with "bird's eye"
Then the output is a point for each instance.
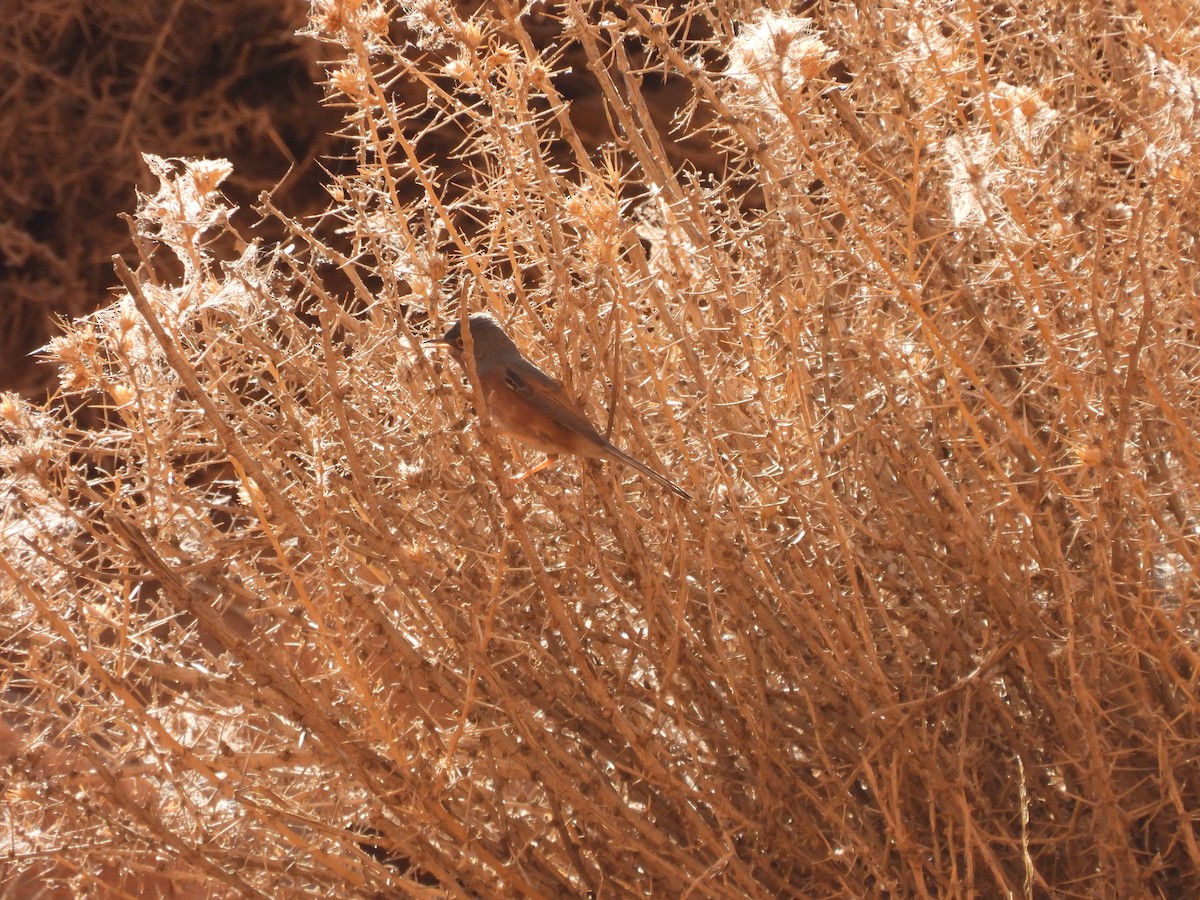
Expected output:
(458, 343)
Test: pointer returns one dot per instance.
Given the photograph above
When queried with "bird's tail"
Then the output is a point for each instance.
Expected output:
(621, 456)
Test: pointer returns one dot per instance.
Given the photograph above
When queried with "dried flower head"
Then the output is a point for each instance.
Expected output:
(774, 56)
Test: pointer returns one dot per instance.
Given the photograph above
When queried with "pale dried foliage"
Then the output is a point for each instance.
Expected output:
(279, 621)
(86, 86)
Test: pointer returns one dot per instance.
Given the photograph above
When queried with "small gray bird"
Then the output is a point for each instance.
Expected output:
(531, 406)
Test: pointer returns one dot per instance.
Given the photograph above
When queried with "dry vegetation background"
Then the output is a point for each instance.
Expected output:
(905, 295)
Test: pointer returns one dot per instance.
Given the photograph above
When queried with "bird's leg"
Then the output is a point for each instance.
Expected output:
(544, 464)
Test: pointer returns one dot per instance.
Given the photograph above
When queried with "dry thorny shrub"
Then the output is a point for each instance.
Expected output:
(86, 83)
(283, 623)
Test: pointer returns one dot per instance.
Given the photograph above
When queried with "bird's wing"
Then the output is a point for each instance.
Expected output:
(534, 385)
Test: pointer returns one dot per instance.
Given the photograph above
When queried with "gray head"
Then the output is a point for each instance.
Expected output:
(488, 337)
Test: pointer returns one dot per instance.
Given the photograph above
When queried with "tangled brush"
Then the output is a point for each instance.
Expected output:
(919, 336)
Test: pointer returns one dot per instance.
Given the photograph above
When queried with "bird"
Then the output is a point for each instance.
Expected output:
(527, 404)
